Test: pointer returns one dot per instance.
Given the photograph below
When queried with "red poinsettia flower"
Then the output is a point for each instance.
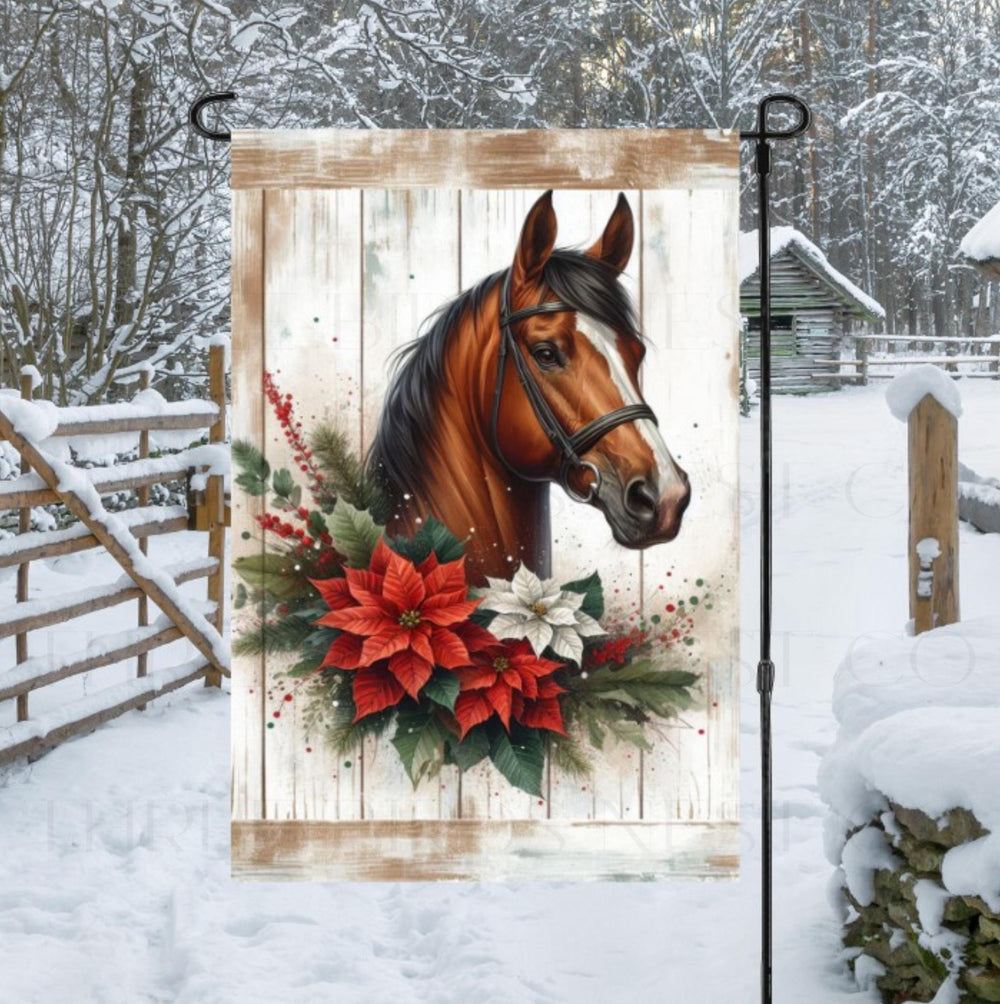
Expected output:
(509, 680)
(397, 622)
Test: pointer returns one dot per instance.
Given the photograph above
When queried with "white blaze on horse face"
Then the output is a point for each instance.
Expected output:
(604, 340)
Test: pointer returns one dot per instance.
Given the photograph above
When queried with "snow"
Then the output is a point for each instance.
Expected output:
(36, 377)
(794, 241)
(982, 242)
(928, 549)
(866, 970)
(911, 386)
(925, 742)
(950, 667)
(866, 852)
(116, 845)
(36, 420)
(931, 901)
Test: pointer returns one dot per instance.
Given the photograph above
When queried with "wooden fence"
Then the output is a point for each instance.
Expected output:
(981, 352)
(45, 479)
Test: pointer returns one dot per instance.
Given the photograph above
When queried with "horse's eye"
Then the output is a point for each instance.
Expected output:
(546, 355)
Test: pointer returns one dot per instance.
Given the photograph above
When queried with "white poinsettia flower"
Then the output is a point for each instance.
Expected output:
(541, 612)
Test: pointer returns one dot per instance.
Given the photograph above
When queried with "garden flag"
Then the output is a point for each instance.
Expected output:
(486, 398)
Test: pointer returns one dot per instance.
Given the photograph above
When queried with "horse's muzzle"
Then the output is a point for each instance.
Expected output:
(640, 514)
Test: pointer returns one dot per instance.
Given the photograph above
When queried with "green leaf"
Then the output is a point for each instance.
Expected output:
(520, 756)
(474, 748)
(282, 483)
(304, 667)
(249, 459)
(593, 594)
(442, 688)
(273, 573)
(432, 536)
(316, 524)
(251, 483)
(240, 599)
(354, 533)
(419, 740)
(627, 731)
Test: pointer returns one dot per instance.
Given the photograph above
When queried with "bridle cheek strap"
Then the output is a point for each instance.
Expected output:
(570, 446)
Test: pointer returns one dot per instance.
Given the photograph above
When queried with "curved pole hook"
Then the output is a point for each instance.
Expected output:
(763, 109)
(194, 116)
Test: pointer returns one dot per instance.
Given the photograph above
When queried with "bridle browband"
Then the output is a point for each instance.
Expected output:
(570, 446)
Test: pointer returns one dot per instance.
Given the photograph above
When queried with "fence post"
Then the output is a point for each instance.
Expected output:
(933, 484)
(861, 351)
(23, 526)
(142, 497)
(995, 363)
(215, 499)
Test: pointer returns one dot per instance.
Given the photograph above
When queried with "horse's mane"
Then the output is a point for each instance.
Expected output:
(396, 458)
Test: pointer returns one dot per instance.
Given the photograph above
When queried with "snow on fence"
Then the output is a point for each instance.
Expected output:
(45, 437)
(879, 357)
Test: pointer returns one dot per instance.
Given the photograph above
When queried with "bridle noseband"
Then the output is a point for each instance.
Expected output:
(570, 446)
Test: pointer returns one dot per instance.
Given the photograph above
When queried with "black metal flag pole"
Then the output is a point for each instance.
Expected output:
(761, 137)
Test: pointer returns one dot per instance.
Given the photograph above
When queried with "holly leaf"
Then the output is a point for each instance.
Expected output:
(519, 756)
(442, 689)
(432, 536)
(419, 741)
(593, 594)
(354, 533)
(469, 751)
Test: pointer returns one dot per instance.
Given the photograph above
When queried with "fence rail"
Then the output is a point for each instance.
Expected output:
(968, 351)
(46, 480)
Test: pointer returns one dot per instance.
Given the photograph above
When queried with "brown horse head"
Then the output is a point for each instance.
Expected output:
(585, 362)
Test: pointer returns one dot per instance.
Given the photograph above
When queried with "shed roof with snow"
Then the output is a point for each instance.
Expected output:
(806, 280)
(812, 308)
(982, 243)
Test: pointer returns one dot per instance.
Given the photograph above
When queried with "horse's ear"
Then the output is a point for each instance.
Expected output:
(614, 246)
(538, 237)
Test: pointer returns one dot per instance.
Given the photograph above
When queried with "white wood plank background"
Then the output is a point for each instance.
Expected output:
(348, 277)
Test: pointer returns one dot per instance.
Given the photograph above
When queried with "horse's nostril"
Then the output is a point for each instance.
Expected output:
(640, 502)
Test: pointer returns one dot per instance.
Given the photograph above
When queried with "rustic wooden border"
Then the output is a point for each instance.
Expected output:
(476, 850)
(485, 158)
(265, 163)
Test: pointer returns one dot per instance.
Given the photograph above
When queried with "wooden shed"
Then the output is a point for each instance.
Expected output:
(812, 309)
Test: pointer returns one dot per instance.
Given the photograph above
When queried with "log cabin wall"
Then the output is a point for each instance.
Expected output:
(810, 319)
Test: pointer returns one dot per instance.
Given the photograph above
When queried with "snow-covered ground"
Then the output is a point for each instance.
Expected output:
(114, 873)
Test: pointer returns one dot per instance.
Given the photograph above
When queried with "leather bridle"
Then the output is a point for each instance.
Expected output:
(571, 446)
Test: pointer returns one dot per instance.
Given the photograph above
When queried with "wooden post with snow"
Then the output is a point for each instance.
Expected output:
(927, 400)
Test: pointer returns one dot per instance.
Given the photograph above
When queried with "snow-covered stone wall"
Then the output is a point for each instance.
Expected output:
(913, 783)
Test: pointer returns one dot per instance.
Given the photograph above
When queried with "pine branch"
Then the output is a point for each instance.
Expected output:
(345, 472)
(568, 756)
(284, 635)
